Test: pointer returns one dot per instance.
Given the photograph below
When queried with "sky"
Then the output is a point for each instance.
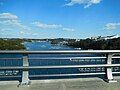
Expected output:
(59, 18)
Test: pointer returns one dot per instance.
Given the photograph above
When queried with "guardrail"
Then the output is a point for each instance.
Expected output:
(108, 55)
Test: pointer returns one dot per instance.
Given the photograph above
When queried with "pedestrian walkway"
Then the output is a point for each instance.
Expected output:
(63, 84)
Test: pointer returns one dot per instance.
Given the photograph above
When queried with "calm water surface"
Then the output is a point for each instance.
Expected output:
(48, 62)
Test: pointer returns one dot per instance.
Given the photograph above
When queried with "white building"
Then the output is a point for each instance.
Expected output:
(110, 37)
(105, 37)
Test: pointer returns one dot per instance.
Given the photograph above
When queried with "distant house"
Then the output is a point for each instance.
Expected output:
(105, 37)
(77, 40)
(109, 37)
(94, 38)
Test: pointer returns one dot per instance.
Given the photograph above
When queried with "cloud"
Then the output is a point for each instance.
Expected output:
(112, 26)
(68, 29)
(52, 26)
(8, 16)
(46, 26)
(11, 20)
(22, 33)
(34, 34)
(86, 3)
(10, 25)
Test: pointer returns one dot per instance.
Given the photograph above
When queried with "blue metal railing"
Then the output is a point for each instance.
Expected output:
(60, 63)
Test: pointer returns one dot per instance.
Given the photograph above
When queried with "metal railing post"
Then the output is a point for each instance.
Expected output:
(109, 69)
(25, 72)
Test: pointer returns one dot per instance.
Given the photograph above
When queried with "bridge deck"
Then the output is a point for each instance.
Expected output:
(64, 84)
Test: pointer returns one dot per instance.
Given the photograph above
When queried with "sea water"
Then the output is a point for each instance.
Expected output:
(48, 62)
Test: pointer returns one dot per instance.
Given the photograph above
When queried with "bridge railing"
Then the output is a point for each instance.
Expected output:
(105, 68)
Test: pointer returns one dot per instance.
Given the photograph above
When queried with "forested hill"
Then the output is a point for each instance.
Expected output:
(84, 44)
(11, 44)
